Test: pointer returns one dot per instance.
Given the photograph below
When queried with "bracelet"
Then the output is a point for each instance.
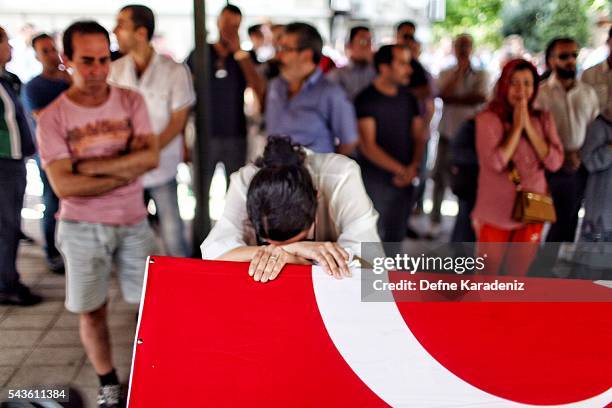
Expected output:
(241, 55)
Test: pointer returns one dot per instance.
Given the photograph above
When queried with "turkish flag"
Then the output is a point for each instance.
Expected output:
(209, 335)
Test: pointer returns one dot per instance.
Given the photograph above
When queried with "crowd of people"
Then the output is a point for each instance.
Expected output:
(344, 163)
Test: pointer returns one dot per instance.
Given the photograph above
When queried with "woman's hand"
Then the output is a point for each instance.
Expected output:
(527, 125)
(269, 260)
(538, 142)
(518, 117)
(329, 255)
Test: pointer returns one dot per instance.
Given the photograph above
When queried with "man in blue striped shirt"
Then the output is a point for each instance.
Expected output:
(304, 105)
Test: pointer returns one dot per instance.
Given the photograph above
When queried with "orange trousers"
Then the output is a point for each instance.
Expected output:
(516, 248)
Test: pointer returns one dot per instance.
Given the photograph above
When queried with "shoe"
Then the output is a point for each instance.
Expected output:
(419, 210)
(56, 264)
(109, 396)
(26, 239)
(411, 233)
(21, 297)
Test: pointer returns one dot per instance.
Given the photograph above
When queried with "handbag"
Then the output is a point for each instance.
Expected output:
(530, 207)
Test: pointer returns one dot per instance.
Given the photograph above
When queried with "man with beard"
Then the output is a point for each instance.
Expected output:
(168, 92)
(391, 140)
(573, 105)
(359, 72)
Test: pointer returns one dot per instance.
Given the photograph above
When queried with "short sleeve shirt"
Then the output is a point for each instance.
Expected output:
(166, 87)
(67, 130)
(41, 91)
(393, 116)
(227, 85)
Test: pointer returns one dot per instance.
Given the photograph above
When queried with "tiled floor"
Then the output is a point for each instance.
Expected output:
(40, 344)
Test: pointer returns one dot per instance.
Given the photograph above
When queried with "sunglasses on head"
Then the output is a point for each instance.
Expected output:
(566, 55)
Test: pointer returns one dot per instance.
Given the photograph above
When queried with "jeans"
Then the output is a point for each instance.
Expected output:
(172, 230)
(392, 204)
(463, 230)
(441, 175)
(419, 190)
(51, 203)
(12, 189)
(567, 191)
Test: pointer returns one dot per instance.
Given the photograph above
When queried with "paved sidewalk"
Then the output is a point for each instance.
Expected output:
(40, 344)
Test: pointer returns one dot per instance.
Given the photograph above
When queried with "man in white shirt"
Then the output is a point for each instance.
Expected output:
(168, 92)
(600, 78)
(463, 89)
(573, 105)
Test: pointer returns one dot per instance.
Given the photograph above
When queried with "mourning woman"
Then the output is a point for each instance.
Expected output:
(510, 133)
(293, 206)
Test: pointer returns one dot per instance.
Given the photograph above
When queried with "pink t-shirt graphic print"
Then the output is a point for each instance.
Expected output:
(104, 138)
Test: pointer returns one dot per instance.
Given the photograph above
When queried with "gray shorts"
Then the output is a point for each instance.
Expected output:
(89, 251)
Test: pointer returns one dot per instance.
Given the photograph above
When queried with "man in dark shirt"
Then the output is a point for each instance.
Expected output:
(231, 72)
(420, 80)
(44, 88)
(37, 94)
(391, 139)
(16, 144)
(422, 87)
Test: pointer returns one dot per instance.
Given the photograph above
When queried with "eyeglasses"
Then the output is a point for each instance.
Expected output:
(284, 48)
(363, 43)
(567, 55)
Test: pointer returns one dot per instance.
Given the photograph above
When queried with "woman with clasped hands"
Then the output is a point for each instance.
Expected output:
(510, 132)
(294, 206)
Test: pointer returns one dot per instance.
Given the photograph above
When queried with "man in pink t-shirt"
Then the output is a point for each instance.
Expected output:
(95, 142)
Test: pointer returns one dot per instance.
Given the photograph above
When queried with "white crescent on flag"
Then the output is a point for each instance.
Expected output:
(376, 343)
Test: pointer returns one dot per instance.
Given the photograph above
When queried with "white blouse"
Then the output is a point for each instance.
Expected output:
(345, 213)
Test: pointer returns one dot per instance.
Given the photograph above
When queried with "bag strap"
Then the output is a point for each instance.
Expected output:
(514, 175)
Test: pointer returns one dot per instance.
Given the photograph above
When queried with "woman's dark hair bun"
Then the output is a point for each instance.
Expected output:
(281, 152)
(282, 199)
